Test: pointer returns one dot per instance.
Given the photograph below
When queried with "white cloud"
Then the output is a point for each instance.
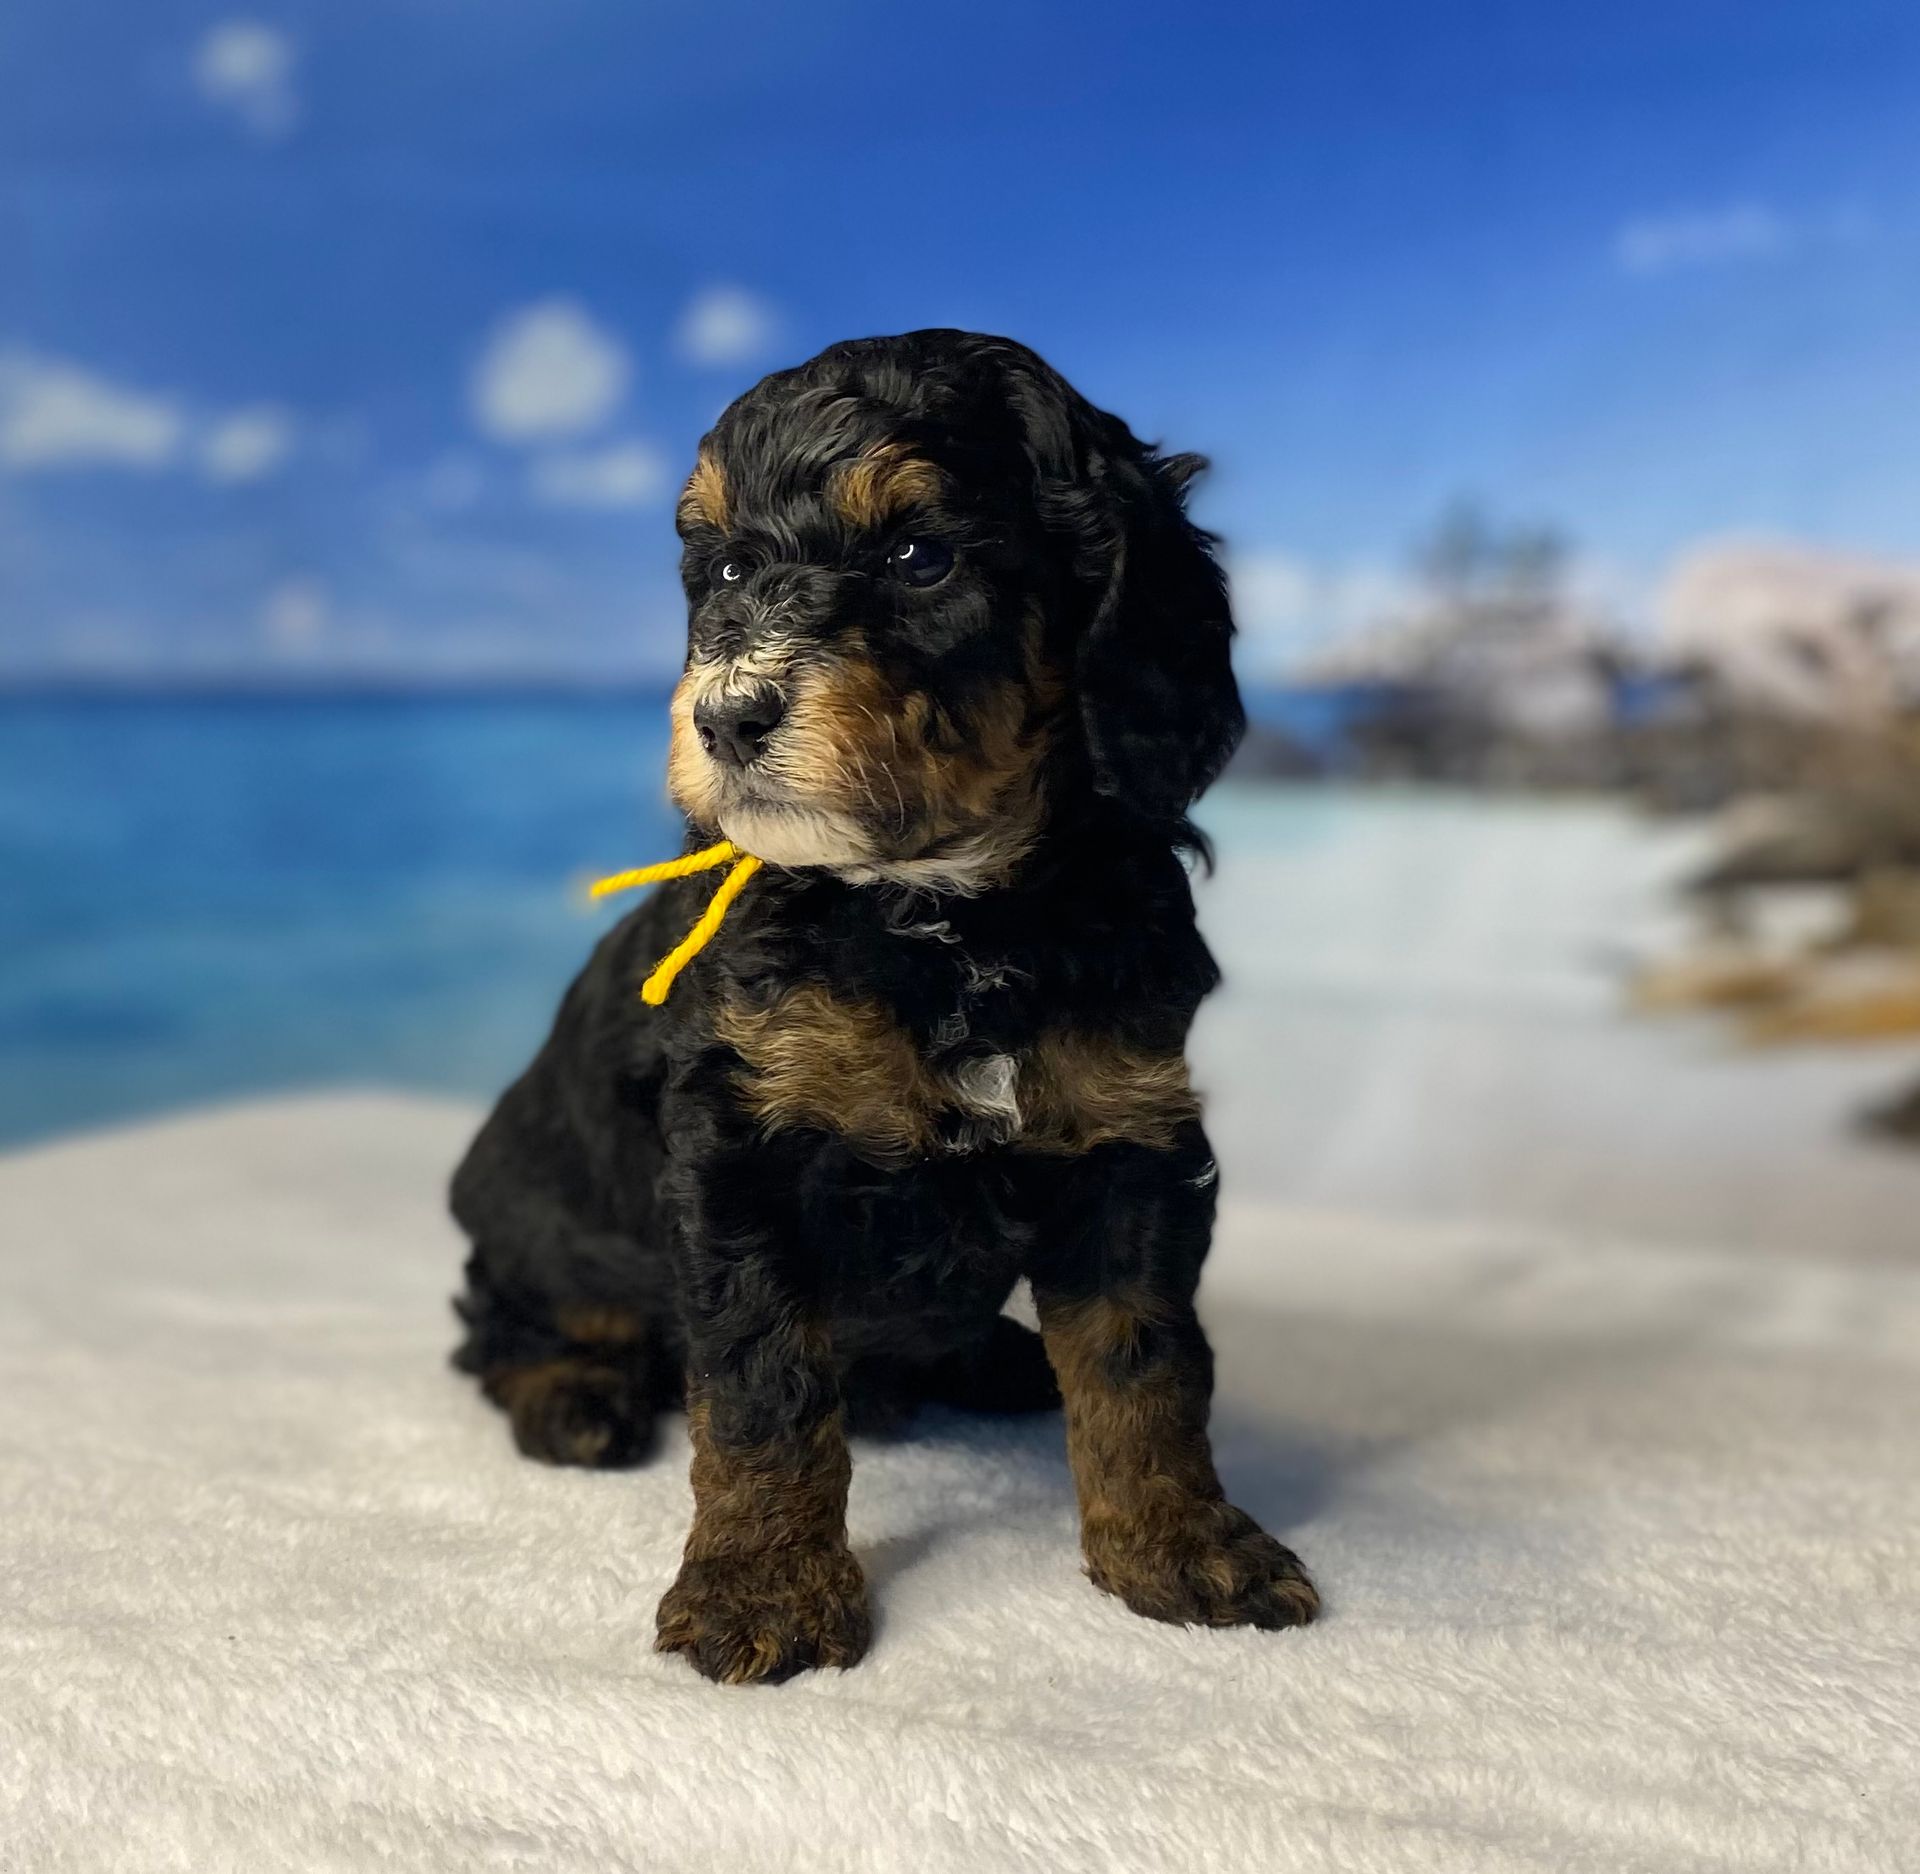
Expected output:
(294, 618)
(622, 475)
(548, 371)
(58, 415)
(1660, 243)
(247, 67)
(246, 445)
(726, 325)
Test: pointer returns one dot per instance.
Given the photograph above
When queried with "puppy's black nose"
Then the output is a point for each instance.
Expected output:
(734, 729)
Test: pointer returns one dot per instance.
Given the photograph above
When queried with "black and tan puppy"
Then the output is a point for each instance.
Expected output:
(957, 669)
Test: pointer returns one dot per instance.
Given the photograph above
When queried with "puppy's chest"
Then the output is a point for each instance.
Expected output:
(974, 1068)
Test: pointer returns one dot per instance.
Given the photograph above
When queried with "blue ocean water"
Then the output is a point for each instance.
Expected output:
(201, 899)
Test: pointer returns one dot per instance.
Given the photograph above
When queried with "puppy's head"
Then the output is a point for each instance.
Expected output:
(931, 587)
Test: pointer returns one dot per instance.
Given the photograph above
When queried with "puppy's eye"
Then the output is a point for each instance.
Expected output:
(920, 561)
(729, 572)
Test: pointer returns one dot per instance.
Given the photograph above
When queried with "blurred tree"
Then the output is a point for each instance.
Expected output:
(1453, 560)
(1478, 573)
(1535, 563)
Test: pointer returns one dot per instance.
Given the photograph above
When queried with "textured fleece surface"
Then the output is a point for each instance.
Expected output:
(1619, 1545)
(1579, 1358)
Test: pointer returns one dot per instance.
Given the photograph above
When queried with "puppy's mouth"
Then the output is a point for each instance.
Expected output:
(777, 825)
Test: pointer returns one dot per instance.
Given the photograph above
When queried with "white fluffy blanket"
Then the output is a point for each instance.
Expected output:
(1619, 1549)
(1615, 1501)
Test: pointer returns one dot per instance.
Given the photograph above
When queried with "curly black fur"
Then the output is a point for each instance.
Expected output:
(938, 1045)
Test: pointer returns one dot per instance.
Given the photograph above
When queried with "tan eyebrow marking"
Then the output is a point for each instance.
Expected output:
(875, 486)
(707, 497)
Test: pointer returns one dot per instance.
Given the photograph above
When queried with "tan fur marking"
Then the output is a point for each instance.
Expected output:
(1155, 1527)
(544, 1402)
(1078, 1091)
(880, 784)
(848, 1067)
(706, 497)
(604, 1325)
(767, 1582)
(843, 727)
(746, 1501)
(692, 778)
(844, 1067)
(875, 487)
(517, 1386)
(1139, 1457)
(966, 784)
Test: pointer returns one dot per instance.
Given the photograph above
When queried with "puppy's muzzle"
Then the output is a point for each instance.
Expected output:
(733, 728)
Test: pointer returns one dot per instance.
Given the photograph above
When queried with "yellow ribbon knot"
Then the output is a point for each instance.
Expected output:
(653, 991)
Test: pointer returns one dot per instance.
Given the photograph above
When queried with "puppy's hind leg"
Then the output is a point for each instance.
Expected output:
(580, 1384)
(570, 1322)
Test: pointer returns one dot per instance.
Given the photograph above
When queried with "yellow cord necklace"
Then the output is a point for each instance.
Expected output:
(653, 991)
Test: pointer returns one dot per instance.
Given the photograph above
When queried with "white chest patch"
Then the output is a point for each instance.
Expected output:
(989, 1089)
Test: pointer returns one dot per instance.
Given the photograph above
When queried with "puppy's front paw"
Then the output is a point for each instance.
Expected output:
(1211, 1566)
(761, 1619)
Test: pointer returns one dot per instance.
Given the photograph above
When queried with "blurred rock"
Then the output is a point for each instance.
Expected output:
(1797, 632)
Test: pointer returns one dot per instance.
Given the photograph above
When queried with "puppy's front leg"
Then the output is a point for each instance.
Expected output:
(767, 1586)
(1116, 1308)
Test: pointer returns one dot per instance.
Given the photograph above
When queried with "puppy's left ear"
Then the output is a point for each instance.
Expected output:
(1157, 696)
(1159, 706)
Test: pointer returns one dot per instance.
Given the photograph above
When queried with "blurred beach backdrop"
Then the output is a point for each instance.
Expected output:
(1558, 371)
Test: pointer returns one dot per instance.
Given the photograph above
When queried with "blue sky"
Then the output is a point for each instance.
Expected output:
(372, 335)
